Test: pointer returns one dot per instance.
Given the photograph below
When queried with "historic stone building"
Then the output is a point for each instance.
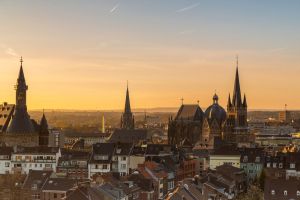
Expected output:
(127, 118)
(187, 125)
(236, 127)
(213, 127)
(17, 127)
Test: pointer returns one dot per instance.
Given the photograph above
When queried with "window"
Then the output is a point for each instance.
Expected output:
(7, 164)
(55, 195)
(298, 193)
(268, 165)
(104, 167)
(245, 159)
(280, 165)
(292, 165)
(257, 159)
(273, 192)
(34, 187)
(274, 165)
(123, 166)
(285, 192)
(123, 158)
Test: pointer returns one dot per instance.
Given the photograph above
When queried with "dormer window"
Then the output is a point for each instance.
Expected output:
(274, 165)
(118, 151)
(273, 192)
(245, 159)
(285, 192)
(280, 165)
(257, 159)
(298, 193)
(292, 165)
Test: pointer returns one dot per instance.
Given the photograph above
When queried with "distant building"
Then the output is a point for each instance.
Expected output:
(285, 116)
(127, 119)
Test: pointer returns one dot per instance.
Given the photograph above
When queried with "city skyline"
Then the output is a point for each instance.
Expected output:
(80, 55)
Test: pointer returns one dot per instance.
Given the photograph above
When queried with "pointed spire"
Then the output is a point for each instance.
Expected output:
(127, 101)
(44, 124)
(237, 99)
(21, 77)
(229, 101)
(245, 101)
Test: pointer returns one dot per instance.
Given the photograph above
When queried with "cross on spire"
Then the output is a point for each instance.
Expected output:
(182, 100)
(21, 60)
(237, 60)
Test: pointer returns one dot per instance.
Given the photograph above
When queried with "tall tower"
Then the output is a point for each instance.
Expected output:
(236, 123)
(20, 122)
(127, 119)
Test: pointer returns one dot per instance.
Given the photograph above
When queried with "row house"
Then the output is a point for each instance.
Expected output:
(159, 176)
(5, 159)
(252, 162)
(73, 164)
(24, 159)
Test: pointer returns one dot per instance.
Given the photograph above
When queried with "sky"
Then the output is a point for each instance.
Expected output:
(79, 54)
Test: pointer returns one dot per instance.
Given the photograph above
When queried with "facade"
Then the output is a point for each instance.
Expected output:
(5, 160)
(121, 158)
(226, 155)
(73, 164)
(281, 188)
(24, 159)
(252, 162)
(186, 125)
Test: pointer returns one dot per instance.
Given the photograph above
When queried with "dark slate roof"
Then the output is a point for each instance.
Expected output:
(215, 112)
(279, 186)
(36, 177)
(20, 122)
(129, 135)
(156, 149)
(189, 112)
(102, 149)
(59, 184)
(123, 149)
(6, 111)
(36, 150)
(226, 150)
(6, 150)
(251, 154)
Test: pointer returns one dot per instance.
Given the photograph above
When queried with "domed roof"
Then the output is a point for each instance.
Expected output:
(215, 111)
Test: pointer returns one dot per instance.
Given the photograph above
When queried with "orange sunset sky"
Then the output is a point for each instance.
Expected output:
(79, 54)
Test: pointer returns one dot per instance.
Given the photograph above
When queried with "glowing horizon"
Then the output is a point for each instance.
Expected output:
(78, 55)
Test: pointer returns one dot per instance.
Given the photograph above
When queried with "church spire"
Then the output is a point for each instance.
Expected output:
(229, 101)
(245, 101)
(127, 101)
(127, 119)
(237, 99)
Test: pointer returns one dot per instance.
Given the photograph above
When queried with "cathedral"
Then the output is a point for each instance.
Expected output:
(16, 126)
(215, 126)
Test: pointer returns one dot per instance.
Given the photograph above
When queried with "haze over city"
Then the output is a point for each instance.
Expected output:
(80, 54)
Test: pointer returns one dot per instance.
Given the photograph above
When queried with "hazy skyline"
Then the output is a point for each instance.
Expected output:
(79, 54)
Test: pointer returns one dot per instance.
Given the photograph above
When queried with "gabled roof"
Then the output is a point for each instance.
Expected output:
(190, 112)
(129, 135)
(59, 184)
(36, 178)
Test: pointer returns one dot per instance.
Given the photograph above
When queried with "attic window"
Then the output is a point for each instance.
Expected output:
(292, 165)
(298, 193)
(273, 192)
(285, 192)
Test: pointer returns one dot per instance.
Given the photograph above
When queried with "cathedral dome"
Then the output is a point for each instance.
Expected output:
(215, 111)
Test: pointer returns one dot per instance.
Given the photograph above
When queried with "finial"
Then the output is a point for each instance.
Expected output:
(198, 102)
(237, 60)
(182, 100)
(21, 60)
(127, 84)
